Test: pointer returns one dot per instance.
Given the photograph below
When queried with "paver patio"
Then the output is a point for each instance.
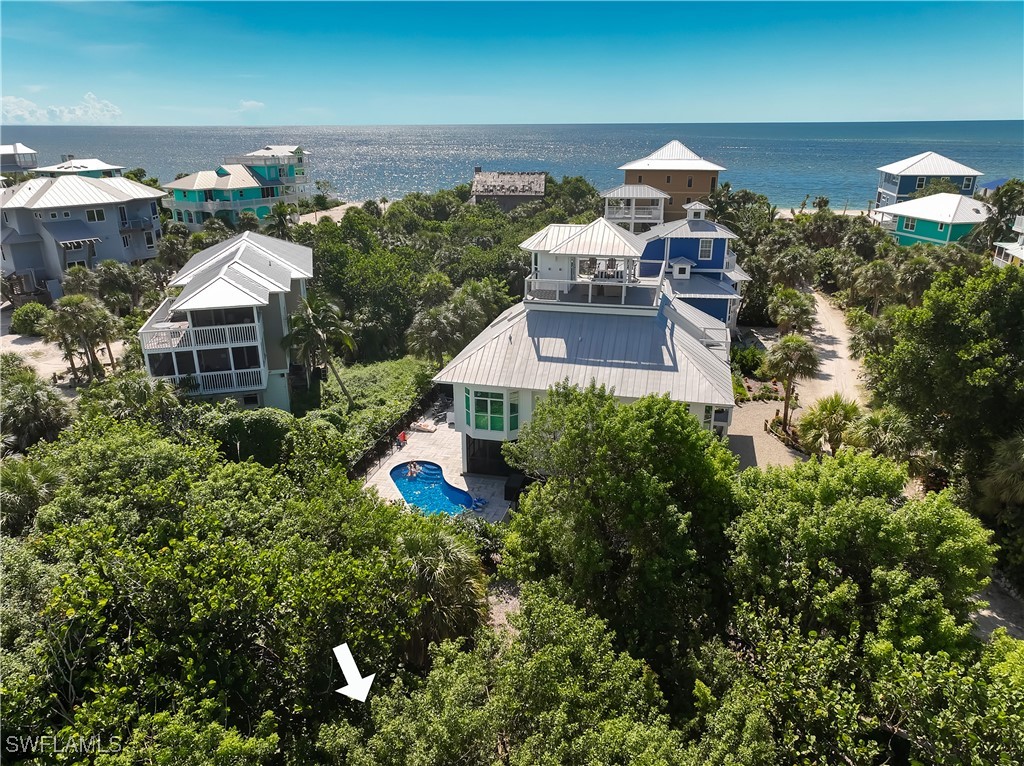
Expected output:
(443, 447)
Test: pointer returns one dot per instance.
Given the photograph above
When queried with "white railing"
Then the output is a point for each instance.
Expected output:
(200, 337)
(637, 213)
(220, 382)
(585, 291)
(212, 206)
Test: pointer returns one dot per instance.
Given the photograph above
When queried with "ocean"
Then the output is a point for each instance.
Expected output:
(783, 160)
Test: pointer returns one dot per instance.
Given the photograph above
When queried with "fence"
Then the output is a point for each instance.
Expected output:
(384, 447)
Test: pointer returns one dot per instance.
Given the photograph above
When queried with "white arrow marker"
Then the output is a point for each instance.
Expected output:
(356, 686)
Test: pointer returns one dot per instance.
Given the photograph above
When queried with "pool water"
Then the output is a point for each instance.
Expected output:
(429, 491)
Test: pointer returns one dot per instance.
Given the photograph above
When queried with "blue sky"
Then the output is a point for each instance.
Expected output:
(323, 63)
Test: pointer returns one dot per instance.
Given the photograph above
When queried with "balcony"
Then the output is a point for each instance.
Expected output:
(231, 381)
(160, 334)
(212, 206)
(634, 213)
(597, 292)
(136, 224)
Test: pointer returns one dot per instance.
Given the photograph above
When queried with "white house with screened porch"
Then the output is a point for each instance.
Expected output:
(589, 314)
(221, 335)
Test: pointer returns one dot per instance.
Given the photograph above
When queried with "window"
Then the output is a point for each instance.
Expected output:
(920, 182)
(942, 227)
(709, 413)
(668, 179)
(488, 411)
(214, 360)
(188, 216)
(639, 179)
(150, 242)
(178, 216)
(152, 208)
(67, 213)
(126, 240)
(670, 200)
(714, 182)
(95, 215)
(968, 183)
(39, 216)
(160, 365)
(513, 411)
(689, 200)
(909, 224)
(469, 408)
(689, 182)
(251, 400)
(186, 362)
(246, 357)
(696, 215)
(5, 217)
(53, 215)
(705, 249)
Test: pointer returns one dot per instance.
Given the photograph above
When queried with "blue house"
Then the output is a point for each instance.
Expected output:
(701, 267)
(898, 180)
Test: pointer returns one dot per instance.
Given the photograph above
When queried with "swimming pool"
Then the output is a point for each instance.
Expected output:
(429, 491)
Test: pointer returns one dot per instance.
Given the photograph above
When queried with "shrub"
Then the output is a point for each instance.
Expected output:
(748, 359)
(28, 319)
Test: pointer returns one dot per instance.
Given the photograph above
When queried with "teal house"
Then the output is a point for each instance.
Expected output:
(252, 183)
(938, 219)
(70, 165)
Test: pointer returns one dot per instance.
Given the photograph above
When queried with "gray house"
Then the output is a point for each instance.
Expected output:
(51, 224)
(508, 190)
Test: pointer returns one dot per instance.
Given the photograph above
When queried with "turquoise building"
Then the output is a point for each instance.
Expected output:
(70, 165)
(252, 182)
(938, 219)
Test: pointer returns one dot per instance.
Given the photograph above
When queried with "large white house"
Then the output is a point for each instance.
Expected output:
(221, 336)
(1011, 253)
(17, 158)
(51, 224)
(591, 313)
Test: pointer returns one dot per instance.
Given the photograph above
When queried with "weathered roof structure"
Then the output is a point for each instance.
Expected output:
(672, 156)
(941, 208)
(634, 191)
(499, 184)
(634, 355)
(929, 164)
(76, 165)
(75, 191)
(224, 177)
(241, 271)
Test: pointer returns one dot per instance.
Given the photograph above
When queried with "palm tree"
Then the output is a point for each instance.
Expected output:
(791, 310)
(25, 485)
(914, 277)
(32, 410)
(79, 279)
(826, 421)
(281, 221)
(886, 431)
(174, 251)
(877, 279)
(793, 357)
(793, 267)
(247, 221)
(76, 323)
(1004, 484)
(446, 575)
(316, 329)
(433, 333)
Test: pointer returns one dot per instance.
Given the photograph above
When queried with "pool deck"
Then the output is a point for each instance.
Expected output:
(443, 447)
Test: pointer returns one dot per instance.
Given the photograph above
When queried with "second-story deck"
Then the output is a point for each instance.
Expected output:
(600, 282)
(159, 333)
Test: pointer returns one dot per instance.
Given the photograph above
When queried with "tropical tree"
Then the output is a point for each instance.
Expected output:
(935, 186)
(876, 279)
(913, 277)
(1006, 202)
(25, 485)
(1003, 485)
(792, 310)
(793, 267)
(826, 422)
(884, 432)
(317, 329)
(32, 410)
(433, 333)
(79, 279)
(247, 221)
(174, 248)
(77, 322)
(280, 223)
(792, 358)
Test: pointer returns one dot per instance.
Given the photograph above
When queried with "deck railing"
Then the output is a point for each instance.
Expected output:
(637, 212)
(200, 337)
(220, 382)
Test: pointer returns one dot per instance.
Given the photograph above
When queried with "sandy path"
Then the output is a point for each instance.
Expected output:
(839, 372)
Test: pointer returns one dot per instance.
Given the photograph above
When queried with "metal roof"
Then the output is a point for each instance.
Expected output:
(929, 164)
(67, 232)
(75, 191)
(16, 148)
(534, 349)
(529, 184)
(551, 235)
(275, 150)
(941, 208)
(698, 205)
(634, 191)
(296, 259)
(688, 228)
(76, 165)
(672, 156)
(10, 236)
(702, 325)
(698, 286)
(601, 239)
(232, 177)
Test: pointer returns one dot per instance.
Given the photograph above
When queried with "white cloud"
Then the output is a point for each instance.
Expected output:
(35, 88)
(246, 105)
(89, 111)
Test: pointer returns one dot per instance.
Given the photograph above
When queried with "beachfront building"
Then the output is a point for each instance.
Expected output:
(679, 172)
(1011, 253)
(897, 181)
(17, 158)
(937, 219)
(636, 207)
(252, 182)
(702, 270)
(70, 165)
(507, 190)
(51, 224)
(221, 336)
(592, 312)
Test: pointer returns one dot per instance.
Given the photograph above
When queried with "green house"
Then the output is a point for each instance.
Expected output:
(937, 219)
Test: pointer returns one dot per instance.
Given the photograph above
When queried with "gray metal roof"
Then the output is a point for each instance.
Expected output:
(600, 238)
(75, 191)
(700, 228)
(275, 150)
(929, 164)
(76, 165)
(297, 258)
(16, 149)
(634, 191)
(672, 156)
(698, 286)
(736, 274)
(941, 208)
(66, 232)
(551, 235)
(533, 349)
(232, 177)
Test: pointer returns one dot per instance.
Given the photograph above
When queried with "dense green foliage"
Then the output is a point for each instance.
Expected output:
(28, 319)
